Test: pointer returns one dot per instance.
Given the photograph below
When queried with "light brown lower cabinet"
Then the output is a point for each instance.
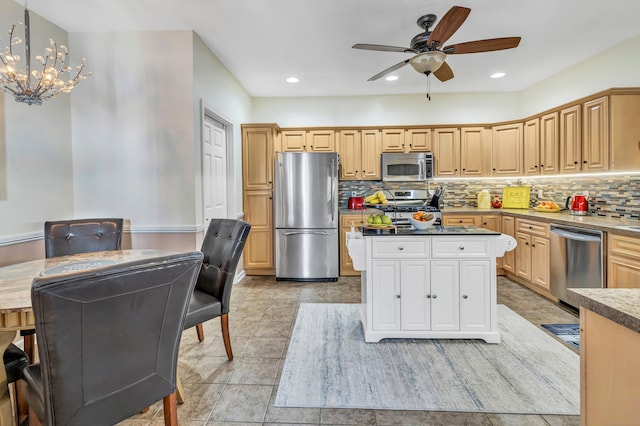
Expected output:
(532, 257)
(346, 221)
(509, 258)
(609, 371)
(623, 265)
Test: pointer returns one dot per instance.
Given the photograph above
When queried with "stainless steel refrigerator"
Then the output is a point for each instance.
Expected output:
(306, 216)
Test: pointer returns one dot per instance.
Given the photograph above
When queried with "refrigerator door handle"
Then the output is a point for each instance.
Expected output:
(333, 188)
(287, 234)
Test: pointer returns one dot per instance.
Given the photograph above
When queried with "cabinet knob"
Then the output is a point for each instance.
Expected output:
(584, 161)
(461, 248)
(428, 296)
(541, 165)
(533, 245)
(575, 162)
(434, 296)
(526, 244)
(400, 248)
(397, 296)
(464, 296)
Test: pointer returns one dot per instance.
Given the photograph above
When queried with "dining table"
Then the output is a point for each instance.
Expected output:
(16, 312)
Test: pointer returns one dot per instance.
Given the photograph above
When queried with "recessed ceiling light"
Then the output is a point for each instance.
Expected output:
(292, 80)
(392, 78)
(498, 75)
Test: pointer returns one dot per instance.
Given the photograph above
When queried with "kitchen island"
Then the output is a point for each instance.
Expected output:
(439, 283)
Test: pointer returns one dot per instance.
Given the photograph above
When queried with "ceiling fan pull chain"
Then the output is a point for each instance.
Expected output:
(428, 88)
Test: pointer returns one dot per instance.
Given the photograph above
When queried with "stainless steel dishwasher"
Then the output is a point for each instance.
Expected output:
(576, 260)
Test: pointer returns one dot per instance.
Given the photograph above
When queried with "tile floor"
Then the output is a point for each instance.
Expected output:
(262, 315)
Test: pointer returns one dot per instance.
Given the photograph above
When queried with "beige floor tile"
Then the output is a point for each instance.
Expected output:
(243, 403)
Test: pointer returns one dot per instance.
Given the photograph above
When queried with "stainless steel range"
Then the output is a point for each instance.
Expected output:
(404, 203)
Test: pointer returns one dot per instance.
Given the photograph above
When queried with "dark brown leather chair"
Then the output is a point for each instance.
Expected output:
(64, 237)
(222, 247)
(15, 360)
(108, 340)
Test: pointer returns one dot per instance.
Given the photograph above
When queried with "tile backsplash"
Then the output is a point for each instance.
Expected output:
(608, 195)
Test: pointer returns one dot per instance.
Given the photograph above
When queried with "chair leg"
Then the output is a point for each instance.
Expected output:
(33, 419)
(224, 322)
(170, 410)
(200, 331)
(29, 346)
(22, 406)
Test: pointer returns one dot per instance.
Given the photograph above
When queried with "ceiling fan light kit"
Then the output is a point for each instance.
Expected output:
(427, 62)
(427, 47)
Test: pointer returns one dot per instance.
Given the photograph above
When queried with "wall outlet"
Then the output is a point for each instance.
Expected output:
(540, 193)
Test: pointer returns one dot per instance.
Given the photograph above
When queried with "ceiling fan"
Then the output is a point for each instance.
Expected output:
(428, 47)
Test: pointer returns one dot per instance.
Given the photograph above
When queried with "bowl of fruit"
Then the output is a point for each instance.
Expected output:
(422, 220)
(379, 221)
(547, 207)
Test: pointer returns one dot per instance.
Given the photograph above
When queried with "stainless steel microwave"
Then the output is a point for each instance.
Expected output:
(409, 167)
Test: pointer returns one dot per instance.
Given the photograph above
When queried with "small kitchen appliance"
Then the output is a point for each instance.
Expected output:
(355, 203)
(407, 167)
(579, 205)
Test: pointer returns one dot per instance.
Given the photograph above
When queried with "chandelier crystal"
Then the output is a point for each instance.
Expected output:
(33, 86)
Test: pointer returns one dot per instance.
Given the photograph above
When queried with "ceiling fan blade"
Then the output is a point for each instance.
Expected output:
(444, 73)
(389, 70)
(488, 45)
(448, 25)
(382, 48)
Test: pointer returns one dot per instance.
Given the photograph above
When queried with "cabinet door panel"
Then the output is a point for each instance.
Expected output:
(350, 150)
(570, 140)
(531, 143)
(446, 152)
(385, 295)
(506, 150)
(393, 140)
(472, 152)
(549, 143)
(540, 262)
(623, 273)
(508, 260)
(415, 313)
(418, 140)
(445, 278)
(595, 142)
(475, 295)
(321, 141)
(257, 158)
(523, 256)
(371, 152)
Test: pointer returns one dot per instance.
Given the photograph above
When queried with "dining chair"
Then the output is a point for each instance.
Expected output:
(222, 247)
(15, 360)
(65, 237)
(108, 340)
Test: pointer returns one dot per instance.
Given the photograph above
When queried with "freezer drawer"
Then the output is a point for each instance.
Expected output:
(307, 254)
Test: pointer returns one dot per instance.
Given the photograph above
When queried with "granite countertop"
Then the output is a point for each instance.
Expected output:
(608, 224)
(620, 305)
(436, 230)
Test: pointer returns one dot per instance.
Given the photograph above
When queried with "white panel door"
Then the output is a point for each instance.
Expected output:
(445, 279)
(475, 293)
(385, 295)
(214, 170)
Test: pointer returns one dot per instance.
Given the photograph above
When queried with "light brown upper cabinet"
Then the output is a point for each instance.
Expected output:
(506, 150)
(595, 135)
(360, 152)
(474, 152)
(549, 143)
(531, 147)
(446, 151)
(257, 157)
(624, 110)
(308, 140)
(393, 140)
(410, 140)
(570, 139)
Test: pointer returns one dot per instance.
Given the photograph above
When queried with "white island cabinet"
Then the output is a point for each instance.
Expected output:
(431, 286)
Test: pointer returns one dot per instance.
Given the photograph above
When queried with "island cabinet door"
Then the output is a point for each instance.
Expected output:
(385, 295)
(445, 281)
(475, 294)
(415, 301)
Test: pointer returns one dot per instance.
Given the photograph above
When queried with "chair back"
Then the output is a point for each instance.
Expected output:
(222, 247)
(108, 338)
(64, 237)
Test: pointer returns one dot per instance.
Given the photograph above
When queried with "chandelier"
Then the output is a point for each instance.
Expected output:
(32, 86)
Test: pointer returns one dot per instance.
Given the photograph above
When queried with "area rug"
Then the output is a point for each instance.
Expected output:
(329, 365)
(570, 333)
